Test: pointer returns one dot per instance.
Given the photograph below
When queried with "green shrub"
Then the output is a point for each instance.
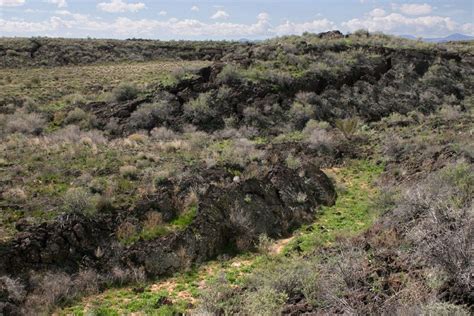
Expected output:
(293, 162)
(125, 92)
(200, 109)
(230, 74)
(78, 200)
(150, 115)
(348, 127)
(75, 116)
(264, 302)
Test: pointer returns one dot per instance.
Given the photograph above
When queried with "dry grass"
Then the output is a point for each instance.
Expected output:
(54, 84)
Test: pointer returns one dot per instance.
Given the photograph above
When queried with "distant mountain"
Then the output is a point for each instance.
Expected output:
(450, 38)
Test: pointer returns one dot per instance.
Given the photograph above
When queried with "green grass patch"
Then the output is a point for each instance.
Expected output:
(353, 211)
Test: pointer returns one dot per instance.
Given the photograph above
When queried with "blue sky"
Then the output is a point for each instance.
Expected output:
(226, 19)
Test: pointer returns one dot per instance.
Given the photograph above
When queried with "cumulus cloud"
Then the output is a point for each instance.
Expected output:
(415, 9)
(314, 26)
(377, 12)
(162, 13)
(400, 24)
(195, 8)
(220, 14)
(115, 6)
(59, 3)
(82, 25)
(11, 3)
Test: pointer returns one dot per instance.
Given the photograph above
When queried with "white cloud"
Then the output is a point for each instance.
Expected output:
(299, 28)
(59, 3)
(415, 9)
(396, 23)
(11, 3)
(195, 8)
(263, 16)
(220, 14)
(468, 29)
(80, 25)
(163, 13)
(377, 12)
(115, 6)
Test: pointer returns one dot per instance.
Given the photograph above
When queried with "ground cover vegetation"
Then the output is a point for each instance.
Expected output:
(323, 173)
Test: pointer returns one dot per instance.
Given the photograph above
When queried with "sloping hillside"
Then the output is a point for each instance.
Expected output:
(356, 150)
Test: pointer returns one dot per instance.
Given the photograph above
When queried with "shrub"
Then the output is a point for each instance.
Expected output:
(293, 162)
(78, 200)
(240, 152)
(76, 116)
(125, 231)
(130, 172)
(149, 115)
(219, 298)
(438, 217)
(25, 123)
(50, 290)
(12, 290)
(200, 109)
(230, 74)
(162, 133)
(264, 244)
(125, 92)
(348, 127)
(75, 99)
(264, 302)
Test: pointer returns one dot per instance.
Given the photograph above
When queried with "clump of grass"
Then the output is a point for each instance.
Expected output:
(348, 127)
(129, 172)
(79, 200)
(293, 162)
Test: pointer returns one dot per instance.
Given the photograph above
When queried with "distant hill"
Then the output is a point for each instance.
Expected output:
(450, 38)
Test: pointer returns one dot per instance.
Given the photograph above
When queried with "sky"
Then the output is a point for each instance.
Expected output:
(227, 19)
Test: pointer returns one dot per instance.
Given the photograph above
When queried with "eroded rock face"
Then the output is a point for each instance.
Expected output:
(234, 216)
(231, 215)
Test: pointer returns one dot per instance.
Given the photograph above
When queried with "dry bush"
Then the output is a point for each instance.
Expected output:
(82, 118)
(438, 217)
(121, 276)
(50, 290)
(78, 200)
(129, 172)
(153, 219)
(53, 289)
(218, 297)
(316, 134)
(24, 122)
(12, 290)
(15, 195)
(241, 151)
(137, 137)
(73, 134)
(125, 231)
(162, 133)
(150, 115)
(75, 99)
